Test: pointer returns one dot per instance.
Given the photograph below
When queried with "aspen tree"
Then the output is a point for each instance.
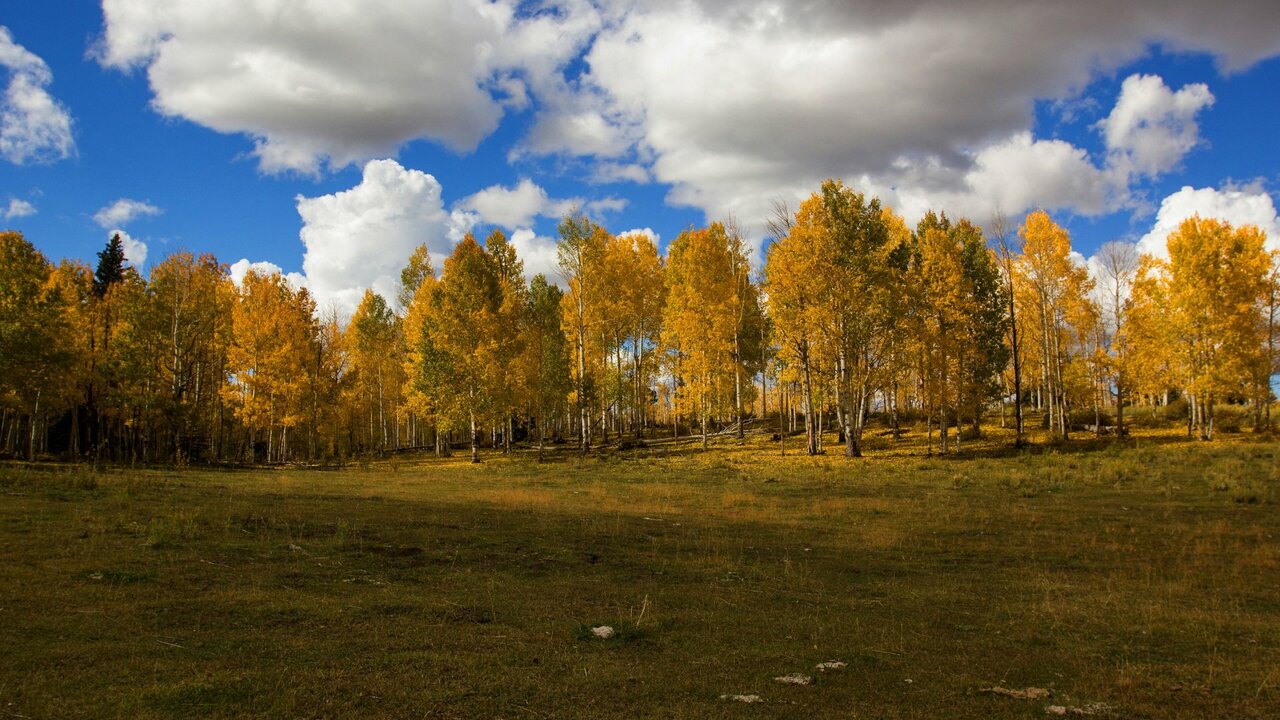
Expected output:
(463, 323)
(545, 356)
(796, 269)
(700, 320)
(1216, 280)
(373, 337)
(1051, 285)
(508, 334)
(578, 251)
(1118, 262)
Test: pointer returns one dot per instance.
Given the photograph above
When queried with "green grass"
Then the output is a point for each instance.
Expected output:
(1145, 578)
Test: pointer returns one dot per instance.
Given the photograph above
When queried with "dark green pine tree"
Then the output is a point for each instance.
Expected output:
(110, 266)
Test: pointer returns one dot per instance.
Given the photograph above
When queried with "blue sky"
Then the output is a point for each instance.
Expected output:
(244, 128)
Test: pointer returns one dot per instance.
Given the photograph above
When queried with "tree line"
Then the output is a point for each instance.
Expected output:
(855, 316)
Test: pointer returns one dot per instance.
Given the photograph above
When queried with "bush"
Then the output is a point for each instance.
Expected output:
(1085, 417)
(1175, 410)
(1230, 418)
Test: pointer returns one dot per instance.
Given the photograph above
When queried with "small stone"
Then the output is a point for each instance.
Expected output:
(743, 698)
(604, 632)
(1055, 710)
(829, 665)
(794, 679)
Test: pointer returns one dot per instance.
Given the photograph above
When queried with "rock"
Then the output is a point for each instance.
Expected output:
(794, 679)
(604, 632)
(1090, 709)
(743, 698)
(1031, 693)
(829, 665)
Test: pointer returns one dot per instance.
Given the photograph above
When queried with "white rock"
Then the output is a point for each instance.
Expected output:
(794, 679)
(604, 632)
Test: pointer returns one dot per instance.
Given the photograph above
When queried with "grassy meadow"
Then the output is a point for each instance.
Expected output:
(1135, 582)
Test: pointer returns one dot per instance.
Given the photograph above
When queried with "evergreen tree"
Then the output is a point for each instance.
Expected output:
(110, 266)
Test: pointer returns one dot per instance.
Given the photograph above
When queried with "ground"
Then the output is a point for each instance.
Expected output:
(1131, 582)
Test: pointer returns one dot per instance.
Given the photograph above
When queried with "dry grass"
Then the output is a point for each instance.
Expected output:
(1140, 577)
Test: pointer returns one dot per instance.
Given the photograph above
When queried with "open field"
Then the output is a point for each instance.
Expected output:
(1146, 579)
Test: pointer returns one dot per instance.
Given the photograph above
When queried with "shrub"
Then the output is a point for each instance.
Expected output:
(1230, 418)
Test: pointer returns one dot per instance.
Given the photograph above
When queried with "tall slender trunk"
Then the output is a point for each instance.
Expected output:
(31, 440)
(782, 430)
(703, 412)
(1058, 362)
(1016, 348)
(844, 405)
(475, 439)
(737, 383)
(542, 428)
(584, 442)
(811, 435)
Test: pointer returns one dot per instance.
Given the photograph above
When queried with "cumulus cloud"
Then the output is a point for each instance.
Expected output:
(603, 206)
(344, 80)
(645, 232)
(1238, 207)
(362, 237)
(1012, 175)
(509, 207)
(731, 103)
(33, 126)
(538, 253)
(1152, 127)
(238, 269)
(519, 206)
(607, 172)
(124, 211)
(135, 250)
(18, 209)
(738, 103)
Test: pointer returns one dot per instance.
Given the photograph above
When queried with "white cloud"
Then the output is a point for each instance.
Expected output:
(238, 269)
(645, 232)
(736, 103)
(1237, 207)
(362, 237)
(135, 250)
(538, 253)
(18, 209)
(33, 126)
(606, 172)
(604, 206)
(344, 80)
(508, 207)
(1152, 127)
(124, 211)
(519, 206)
(1012, 175)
